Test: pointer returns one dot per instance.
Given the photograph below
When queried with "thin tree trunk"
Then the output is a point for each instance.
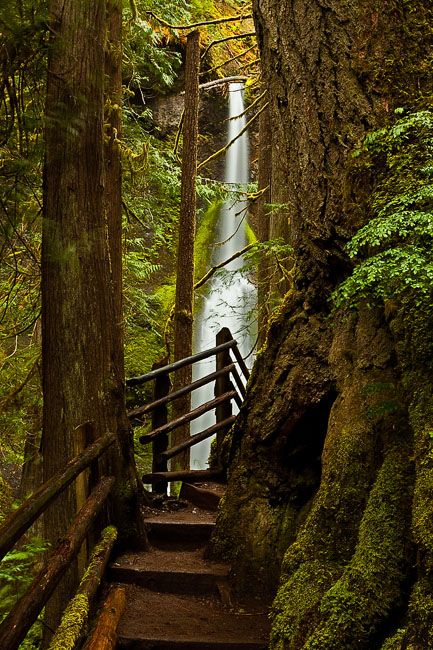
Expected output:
(120, 462)
(183, 316)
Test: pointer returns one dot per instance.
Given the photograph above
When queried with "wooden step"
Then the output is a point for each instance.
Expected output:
(171, 622)
(181, 572)
(206, 496)
(177, 529)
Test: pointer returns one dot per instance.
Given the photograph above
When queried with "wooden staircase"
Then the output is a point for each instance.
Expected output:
(177, 599)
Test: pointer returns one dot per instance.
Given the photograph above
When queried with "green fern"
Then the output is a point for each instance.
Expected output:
(393, 251)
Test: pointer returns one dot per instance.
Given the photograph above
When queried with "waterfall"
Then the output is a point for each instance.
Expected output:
(230, 297)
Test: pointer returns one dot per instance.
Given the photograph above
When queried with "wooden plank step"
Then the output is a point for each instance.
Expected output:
(190, 527)
(172, 622)
(207, 496)
(181, 572)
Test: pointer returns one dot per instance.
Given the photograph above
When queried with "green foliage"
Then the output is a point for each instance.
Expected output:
(393, 251)
(17, 571)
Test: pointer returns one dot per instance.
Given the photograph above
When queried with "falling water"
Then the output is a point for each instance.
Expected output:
(231, 297)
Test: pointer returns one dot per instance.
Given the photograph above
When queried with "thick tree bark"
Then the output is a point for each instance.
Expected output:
(75, 272)
(183, 314)
(322, 455)
(83, 382)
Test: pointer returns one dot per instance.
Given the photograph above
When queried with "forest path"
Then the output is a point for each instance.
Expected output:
(176, 598)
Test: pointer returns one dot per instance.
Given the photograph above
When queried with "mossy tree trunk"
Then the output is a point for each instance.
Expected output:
(331, 471)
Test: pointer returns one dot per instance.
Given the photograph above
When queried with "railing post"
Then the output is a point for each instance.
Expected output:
(223, 385)
(159, 418)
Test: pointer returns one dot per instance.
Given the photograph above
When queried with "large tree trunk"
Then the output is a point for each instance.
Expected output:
(83, 383)
(322, 456)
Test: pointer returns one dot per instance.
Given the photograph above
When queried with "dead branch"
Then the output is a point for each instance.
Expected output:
(234, 58)
(179, 132)
(218, 153)
(134, 10)
(217, 21)
(7, 399)
(224, 40)
(220, 82)
(247, 110)
(215, 268)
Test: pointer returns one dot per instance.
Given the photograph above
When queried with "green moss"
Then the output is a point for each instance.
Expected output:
(205, 238)
(250, 234)
(73, 621)
(370, 587)
(76, 615)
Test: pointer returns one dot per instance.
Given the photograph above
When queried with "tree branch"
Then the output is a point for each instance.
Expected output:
(217, 21)
(214, 269)
(224, 40)
(248, 108)
(220, 82)
(241, 132)
(7, 399)
(234, 58)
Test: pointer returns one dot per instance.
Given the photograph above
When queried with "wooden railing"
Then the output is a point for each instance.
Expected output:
(226, 391)
(17, 623)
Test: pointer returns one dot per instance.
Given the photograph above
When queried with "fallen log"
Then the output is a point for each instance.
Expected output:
(104, 635)
(74, 620)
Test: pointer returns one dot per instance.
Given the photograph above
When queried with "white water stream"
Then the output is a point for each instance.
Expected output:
(230, 297)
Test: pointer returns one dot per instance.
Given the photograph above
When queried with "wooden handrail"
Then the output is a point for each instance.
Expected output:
(135, 381)
(16, 625)
(198, 437)
(228, 361)
(142, 410)
(238, 381)
(190, 476)
(192, 415)
(241, 362)
(20, 521)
